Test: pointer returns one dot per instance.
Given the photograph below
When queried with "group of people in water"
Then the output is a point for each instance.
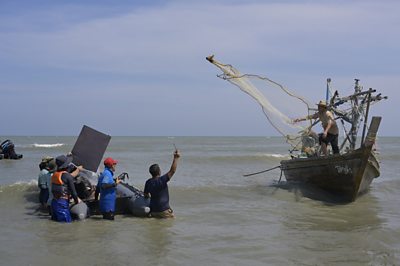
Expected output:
(56, 183)
(57, 175)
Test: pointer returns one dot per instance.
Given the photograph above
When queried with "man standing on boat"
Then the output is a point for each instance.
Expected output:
(331, 130)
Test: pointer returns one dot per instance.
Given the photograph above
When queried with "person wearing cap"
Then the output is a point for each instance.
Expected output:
(46, 167)
(62, 186)
(331, 130)
(106, 186)
(156, 188)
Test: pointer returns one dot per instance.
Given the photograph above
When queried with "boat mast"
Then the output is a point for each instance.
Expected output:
(328, 83)
(355, 115)
(366, 115)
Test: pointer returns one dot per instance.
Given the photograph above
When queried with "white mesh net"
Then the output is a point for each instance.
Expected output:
(279, 105)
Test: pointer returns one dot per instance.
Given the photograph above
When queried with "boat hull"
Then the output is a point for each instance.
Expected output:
(347, 176)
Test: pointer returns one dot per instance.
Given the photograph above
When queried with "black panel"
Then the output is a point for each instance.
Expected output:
(89, 148)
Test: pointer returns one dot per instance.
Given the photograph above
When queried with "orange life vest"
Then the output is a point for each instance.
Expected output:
(56, 178)
(58, 187)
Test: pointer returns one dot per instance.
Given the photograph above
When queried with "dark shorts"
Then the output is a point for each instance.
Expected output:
(330, 139)
(43, 195)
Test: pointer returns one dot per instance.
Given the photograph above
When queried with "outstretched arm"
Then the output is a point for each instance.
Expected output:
(174, 164)
(313, 116)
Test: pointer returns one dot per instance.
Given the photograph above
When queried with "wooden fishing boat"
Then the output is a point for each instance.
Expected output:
(346, 175)
(349, 174)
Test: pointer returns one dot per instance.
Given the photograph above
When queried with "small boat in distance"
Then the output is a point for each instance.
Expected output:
(346, 175)
(7, 151)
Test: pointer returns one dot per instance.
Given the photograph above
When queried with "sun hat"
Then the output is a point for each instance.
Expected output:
(322, 103)
(47, 159)
(63, 161)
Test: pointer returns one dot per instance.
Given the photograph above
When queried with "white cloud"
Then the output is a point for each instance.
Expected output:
(163, 47)
(150, 39)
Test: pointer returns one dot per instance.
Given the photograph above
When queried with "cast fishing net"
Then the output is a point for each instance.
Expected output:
(279, 105)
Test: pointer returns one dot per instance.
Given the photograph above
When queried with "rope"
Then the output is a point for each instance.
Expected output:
(263, 171)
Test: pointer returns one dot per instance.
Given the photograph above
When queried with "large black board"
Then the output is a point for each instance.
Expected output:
(89, 148)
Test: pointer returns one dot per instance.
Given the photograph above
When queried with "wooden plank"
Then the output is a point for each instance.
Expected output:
(368, 143)
(372, 131)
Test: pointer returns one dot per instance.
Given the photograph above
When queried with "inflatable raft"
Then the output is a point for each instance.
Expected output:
(88, 151)
(130, 200)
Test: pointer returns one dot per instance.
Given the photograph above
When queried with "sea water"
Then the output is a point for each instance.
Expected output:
(222, 217)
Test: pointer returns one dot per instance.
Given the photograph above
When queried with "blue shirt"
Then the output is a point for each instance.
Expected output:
(43, 179)
(107, 196)
(158, 189)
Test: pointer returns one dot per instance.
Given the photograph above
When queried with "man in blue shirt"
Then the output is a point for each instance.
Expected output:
(107, 188)
(157, 188)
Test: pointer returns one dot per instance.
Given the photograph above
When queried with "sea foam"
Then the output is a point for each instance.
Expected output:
(36, 145)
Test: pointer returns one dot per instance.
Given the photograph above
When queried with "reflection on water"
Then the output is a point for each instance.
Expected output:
(301, 190)
(223, 218)
(335, 233)
(159, 240)
(325, 211)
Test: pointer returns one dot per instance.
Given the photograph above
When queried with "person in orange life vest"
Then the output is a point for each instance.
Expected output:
(331, 130)
(62, 187)
(106, 186)
(157, 189)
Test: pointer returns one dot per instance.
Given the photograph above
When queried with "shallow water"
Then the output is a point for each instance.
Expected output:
(223, 218)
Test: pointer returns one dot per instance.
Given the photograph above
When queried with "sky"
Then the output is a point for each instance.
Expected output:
(138, 68)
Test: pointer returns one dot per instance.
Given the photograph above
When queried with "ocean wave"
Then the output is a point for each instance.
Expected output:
(19, 185)
(276, 155)
(265, 156)
(24, 183)
(55, 145)
(240, 157)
